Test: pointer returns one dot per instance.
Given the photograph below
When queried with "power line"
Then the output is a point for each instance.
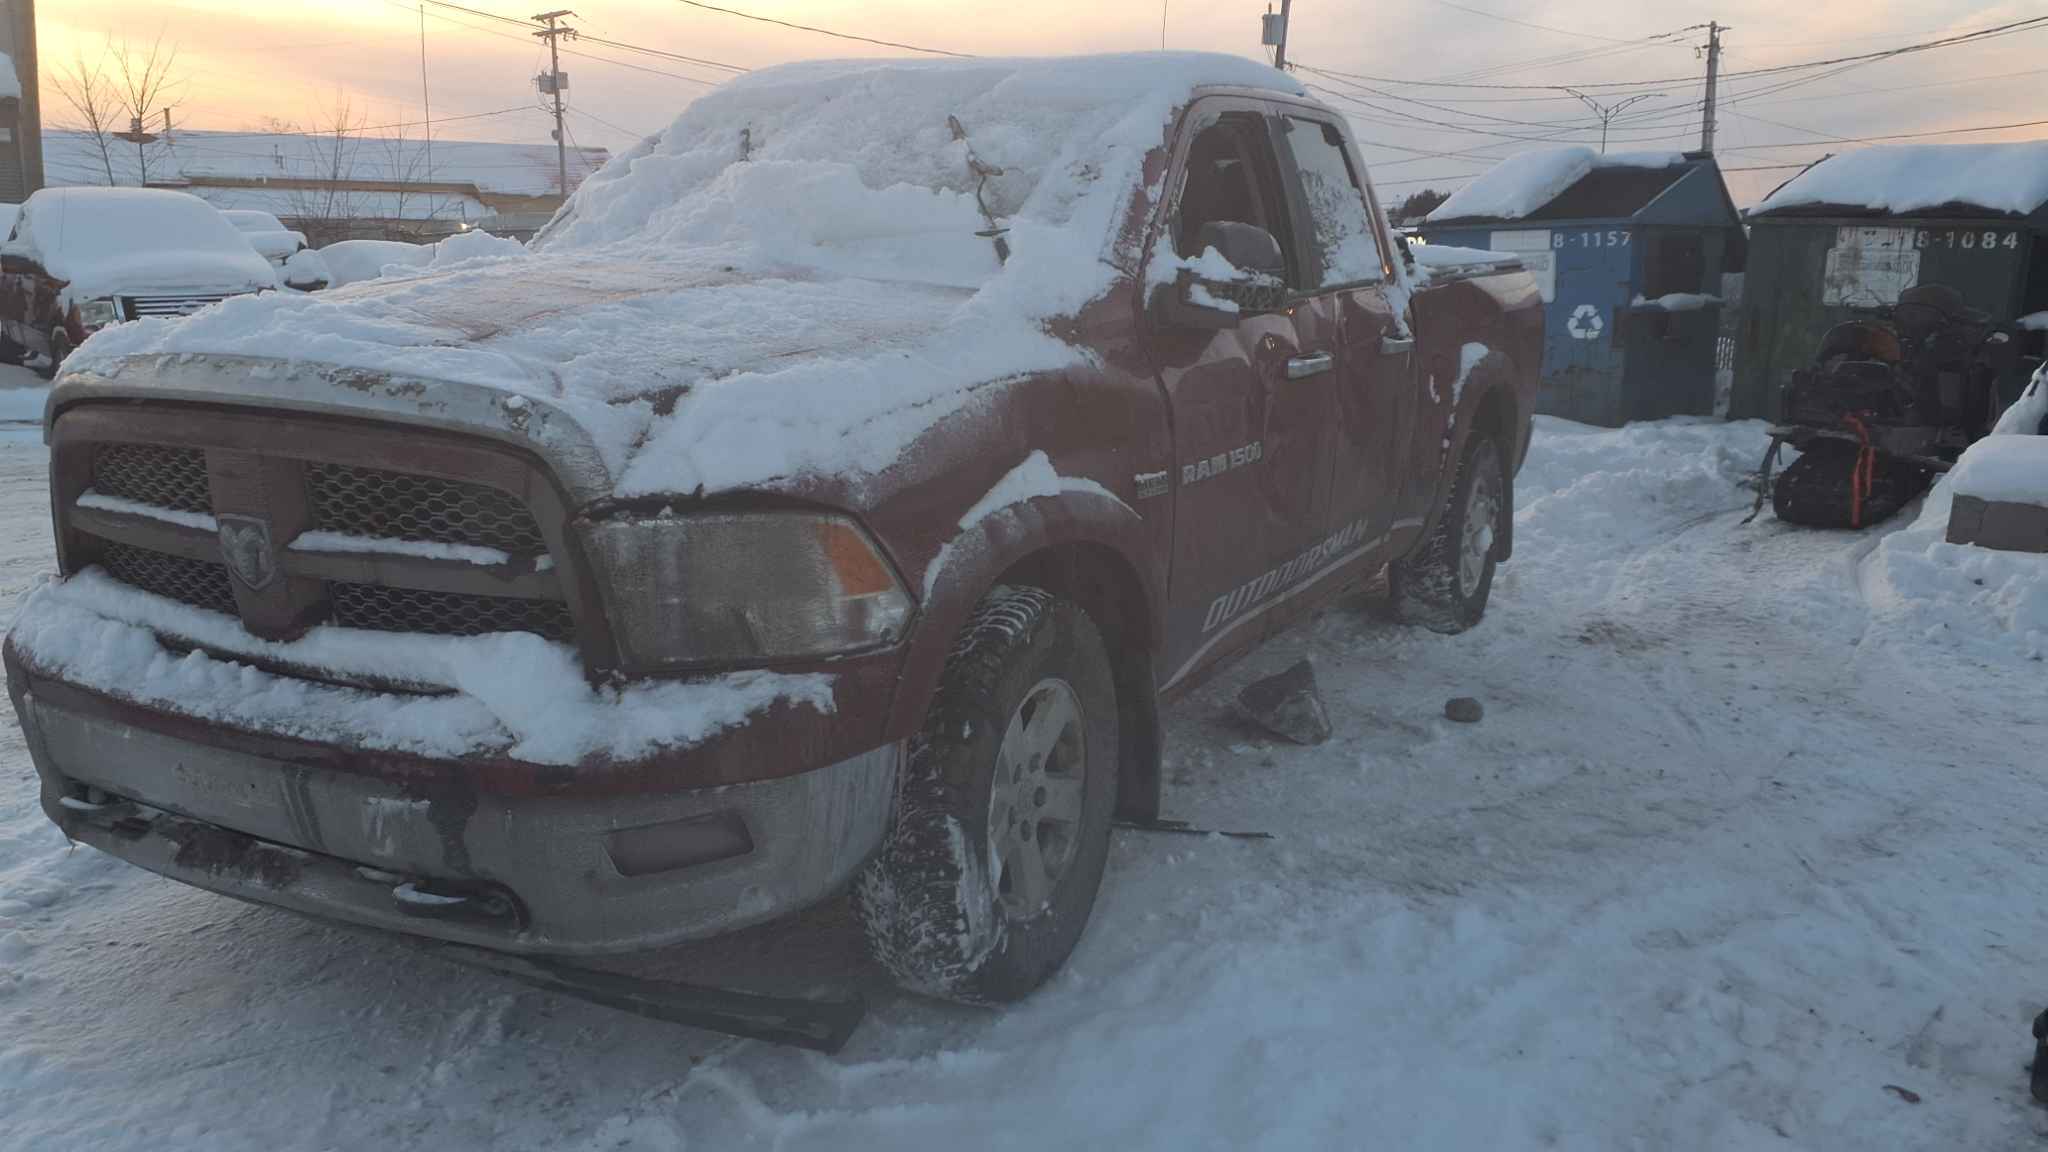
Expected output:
(608, 124)
(823, 31)
(1545, 27)
(2027, 25)
(1892, 136)
(665, 55)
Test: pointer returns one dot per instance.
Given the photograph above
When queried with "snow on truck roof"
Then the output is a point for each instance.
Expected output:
(1531, 183)
(793, 278)
(1903, 178)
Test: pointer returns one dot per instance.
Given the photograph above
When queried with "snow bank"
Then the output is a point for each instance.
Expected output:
(1908, 177)
(1526, 181)
(108, 240)
(786, 281)
(510, 694)
(2011, 468)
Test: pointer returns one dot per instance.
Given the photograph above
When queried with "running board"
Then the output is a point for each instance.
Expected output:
(820, 1025)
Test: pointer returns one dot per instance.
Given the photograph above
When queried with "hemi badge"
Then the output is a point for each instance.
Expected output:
(1152, 484)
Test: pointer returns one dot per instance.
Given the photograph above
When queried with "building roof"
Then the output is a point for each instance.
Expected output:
(239, 160)
(1920, 179)
(1566, 184)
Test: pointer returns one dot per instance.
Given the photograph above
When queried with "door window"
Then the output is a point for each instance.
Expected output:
(1230, 177)
(1346, 243)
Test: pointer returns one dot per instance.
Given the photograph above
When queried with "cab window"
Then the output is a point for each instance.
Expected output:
(1231, 177)
(1346, 245)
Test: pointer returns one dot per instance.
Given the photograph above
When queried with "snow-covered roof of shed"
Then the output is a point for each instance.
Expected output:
(1906, 178)
(1526, 184)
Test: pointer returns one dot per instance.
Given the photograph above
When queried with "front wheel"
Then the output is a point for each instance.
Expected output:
(1002, 824)
(1444, 584)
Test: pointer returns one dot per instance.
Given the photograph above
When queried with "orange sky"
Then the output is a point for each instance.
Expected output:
(296, 59)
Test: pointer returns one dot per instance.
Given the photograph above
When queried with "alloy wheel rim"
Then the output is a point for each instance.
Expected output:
(1034, 806)
(1475, 545)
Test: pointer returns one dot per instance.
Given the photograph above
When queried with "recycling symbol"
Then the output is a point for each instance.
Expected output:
(1585, 323)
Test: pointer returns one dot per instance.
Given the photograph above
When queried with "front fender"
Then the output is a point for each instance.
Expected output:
(1083, 516)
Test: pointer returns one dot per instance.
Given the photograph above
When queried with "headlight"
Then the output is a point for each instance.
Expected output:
(97, 313)
(715, 589)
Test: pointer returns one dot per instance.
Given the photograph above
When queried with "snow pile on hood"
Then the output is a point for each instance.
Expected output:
(788, 280)
(107, 240)
(1526, 181)
(511, 694)
(1909, 177)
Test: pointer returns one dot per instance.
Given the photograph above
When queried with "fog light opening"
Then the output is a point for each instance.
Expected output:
(679, 844)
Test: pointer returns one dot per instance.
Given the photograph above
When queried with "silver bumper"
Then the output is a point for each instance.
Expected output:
(549, 875)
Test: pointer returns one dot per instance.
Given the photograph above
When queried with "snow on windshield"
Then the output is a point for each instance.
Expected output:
(855, 165)
(101, 239)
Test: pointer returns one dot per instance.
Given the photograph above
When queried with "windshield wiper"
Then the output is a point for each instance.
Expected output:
(981, 172)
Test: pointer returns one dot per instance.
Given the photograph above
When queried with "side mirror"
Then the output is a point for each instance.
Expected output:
(1240, 272)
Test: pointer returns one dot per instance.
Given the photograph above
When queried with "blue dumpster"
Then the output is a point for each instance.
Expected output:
(1629, 250)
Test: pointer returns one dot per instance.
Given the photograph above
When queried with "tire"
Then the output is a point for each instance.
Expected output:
(1815, 491)
(950, 909)
(60, 347)
(1444, 584)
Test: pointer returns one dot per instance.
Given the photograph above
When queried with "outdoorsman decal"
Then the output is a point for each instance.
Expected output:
(1232, 604)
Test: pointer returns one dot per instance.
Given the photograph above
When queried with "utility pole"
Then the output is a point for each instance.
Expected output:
(1607, 112)
(1273, 31)
(552, 84)
(426, 105)
(1714, 31)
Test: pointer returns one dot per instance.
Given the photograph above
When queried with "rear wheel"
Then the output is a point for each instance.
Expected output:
(1002, 825)
(60, 347)
(1444, 584)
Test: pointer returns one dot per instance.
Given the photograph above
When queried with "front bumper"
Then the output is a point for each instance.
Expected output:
(422, 850)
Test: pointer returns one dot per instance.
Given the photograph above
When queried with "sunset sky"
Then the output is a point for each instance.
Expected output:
(297, 59)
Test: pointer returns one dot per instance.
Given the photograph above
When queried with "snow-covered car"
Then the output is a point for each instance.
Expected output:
(353, 261)
(79, 259)
(826, 500)
(266, 233)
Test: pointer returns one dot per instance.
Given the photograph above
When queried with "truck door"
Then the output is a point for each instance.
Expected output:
(1373, 390)
(1251, 403)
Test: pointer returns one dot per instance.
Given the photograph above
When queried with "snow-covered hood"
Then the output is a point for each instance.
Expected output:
(174, 273)
(592, 362)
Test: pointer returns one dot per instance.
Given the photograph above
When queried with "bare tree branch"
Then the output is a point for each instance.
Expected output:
(148, 89)
(95, 97)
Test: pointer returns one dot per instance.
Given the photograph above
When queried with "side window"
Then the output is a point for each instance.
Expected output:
(1344, 238)
(1230, 177)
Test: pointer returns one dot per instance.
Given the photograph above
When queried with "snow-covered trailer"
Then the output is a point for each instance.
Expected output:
(1630, 249)
(1855, 230)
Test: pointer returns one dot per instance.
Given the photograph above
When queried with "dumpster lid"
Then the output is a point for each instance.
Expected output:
(1923, 179)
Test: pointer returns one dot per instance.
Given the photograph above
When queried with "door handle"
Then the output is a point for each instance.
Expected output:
(1395, 345)
(1301, 367)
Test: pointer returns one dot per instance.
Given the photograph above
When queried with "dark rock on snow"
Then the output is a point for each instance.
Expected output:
(1463, 709)
(1287, 705)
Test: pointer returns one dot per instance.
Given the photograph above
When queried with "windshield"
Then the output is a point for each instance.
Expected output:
(907, 168)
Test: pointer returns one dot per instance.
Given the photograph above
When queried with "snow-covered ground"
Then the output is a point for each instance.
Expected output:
(1750, 832)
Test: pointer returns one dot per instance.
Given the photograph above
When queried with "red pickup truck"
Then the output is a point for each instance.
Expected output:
(827, 501)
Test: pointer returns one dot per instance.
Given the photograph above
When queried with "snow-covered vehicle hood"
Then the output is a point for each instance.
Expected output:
(795, 280)
(176, 273)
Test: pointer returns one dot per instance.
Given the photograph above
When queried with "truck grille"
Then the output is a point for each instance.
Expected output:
(194, 582)
(386, 590)
(173, 478)
(397, 505)
(140, 306)
(384, 609)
